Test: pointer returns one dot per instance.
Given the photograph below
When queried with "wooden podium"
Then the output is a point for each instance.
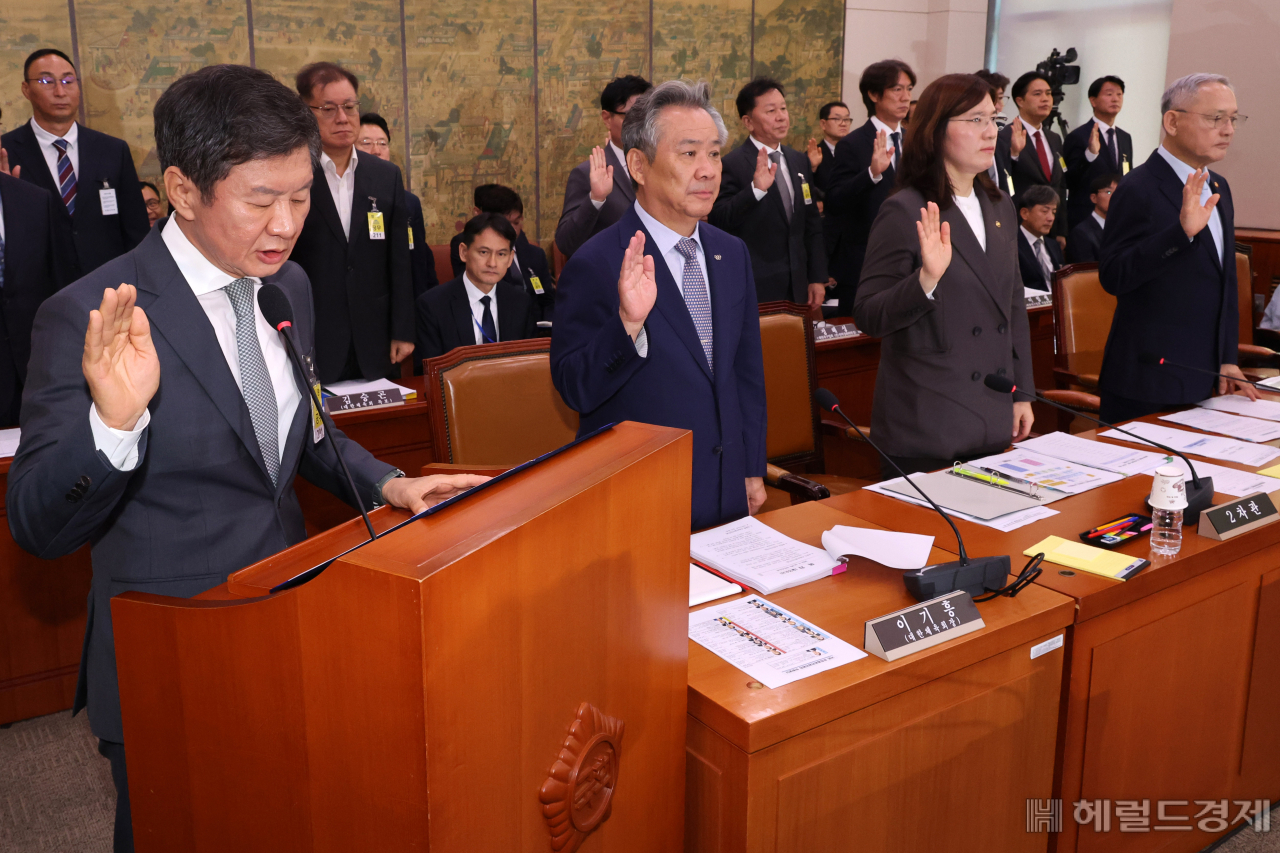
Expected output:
(478, 680)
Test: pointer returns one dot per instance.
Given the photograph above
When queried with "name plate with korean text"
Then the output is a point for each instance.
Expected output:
(367, 400)
(922, 626)
(1241, 515)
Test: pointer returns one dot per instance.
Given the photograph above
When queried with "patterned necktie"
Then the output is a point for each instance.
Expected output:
(1044, 156)
(486, 322)
(1046, 265)
(695, 296)
(255, 381)
(895, 139)
(780, 180)
(66, 176)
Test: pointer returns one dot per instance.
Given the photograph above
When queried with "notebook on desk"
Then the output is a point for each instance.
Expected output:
(970, 496)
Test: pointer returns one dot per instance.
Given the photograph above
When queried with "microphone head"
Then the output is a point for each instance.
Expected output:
(826, 400)
(275, 306)
(1003, 384)
(1150, 358)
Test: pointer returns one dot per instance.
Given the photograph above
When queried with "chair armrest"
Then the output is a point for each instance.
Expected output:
(1080, 401)
(798, 487)
(448, 468)
(1252, 355)
(843, 431)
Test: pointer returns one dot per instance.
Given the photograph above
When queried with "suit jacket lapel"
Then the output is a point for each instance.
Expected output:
(725, 339)
(175, 314)
(322, 200)
(43, 178)
(300, 428)
(1171, 187)
(463, 320)
(670, 303)
(1227, 217)
(966, 245)
(361, 205)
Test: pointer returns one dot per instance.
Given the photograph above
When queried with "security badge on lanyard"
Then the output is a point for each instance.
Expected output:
(317, 422)
(804, 188)
(376, 229)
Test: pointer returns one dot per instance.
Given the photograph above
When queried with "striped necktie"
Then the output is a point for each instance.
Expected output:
(695, 296)
(66, 176)
(255, 381)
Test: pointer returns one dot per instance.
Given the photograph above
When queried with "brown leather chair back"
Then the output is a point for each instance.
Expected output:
(786, 338)
(495, 404)
(444, 266)
(1082, 310)
(1244, 289)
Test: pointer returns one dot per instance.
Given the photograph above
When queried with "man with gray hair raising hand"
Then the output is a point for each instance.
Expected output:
(1168, 255)
(676, 342)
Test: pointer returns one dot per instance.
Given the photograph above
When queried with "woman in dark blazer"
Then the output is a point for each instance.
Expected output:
(941, 287)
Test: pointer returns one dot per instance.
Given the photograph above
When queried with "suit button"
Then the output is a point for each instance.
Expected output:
(1001, 328)
(977, 331)
(72, 497)
(351, 267)
(1000, 372)
(976, 376)
(84, 482)
(717, 450)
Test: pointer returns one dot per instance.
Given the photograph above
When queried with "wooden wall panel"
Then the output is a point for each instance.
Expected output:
(25, 26)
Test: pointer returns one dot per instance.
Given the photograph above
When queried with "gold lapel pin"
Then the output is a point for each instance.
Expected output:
(997, 223)
(717, 257)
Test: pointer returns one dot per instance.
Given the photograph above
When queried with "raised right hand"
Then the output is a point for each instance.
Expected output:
(935, 246)
(637, 286)
(4, 165)
(814, 153)
(765, 169)
(881, 154)
(1095, 140)
(601, 175)
(1017, 138)
(1194, 215)
(120, 362)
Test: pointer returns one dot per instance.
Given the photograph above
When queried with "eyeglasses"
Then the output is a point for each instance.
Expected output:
(845, 120)
(330, 111)
(618, 113)
(153, 204)
(979, 122)
(373, 143)
(1217, 120)
(49, 81)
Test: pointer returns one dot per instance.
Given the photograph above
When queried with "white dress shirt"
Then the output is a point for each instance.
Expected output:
(664, 241)
(1103, 129)
(782, 169)
(1184, 173)
(474, 295)
(972, 210)
(1102, 223)
(341, 187)
(897, 155)
(206, 282)
(830, 147)
(626, 173)
(45, 138)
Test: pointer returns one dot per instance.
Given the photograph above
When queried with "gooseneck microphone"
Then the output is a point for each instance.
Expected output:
(279, 313)
(1152, 360)
(1199, 490)
(974, 576)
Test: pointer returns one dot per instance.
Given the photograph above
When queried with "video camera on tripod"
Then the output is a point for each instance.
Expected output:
(1059, 71)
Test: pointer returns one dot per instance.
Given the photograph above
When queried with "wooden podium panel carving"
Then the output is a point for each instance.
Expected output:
(421, 692)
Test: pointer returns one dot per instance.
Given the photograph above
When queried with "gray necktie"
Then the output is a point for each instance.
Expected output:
(780, 179)
(694, 290)
(1046, 265)
(255, 381)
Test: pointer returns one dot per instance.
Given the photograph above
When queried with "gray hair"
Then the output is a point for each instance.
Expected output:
(1183, 90)
(1037, 194)
(640, 127)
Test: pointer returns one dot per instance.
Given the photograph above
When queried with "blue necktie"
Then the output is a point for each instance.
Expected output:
(695, 296)
(486, 322)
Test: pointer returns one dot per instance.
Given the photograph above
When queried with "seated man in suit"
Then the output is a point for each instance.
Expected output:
(599, 191)
(1085, 242)
(676, 341)
(479, 306)
(176, 489)
(102, 215)
(1168, 256)
(1096, 148)
(1038, 257)
(836, 122)
(1032, 151)
(766, 198)
(374, 139)
(528, 267)
(354, 246)
(29, 265)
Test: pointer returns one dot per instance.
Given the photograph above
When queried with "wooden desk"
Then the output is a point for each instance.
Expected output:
(1173, 676)
(938, 749)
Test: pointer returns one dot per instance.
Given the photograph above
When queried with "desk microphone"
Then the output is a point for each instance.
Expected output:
(1199, 490)
(1152, 360)
(974, 576)
(279, 313)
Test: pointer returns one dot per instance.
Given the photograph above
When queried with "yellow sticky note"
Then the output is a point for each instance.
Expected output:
(1273, 471)
(1087, 558)
(376, 231)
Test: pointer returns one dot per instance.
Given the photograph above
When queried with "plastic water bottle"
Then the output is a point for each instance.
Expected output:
(1166, 531)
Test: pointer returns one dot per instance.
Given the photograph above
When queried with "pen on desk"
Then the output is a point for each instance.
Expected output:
(1114, 526)
(1008, 478)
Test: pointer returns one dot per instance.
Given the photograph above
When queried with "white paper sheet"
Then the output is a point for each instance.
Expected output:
(1095, 454)
(886, 547)
(1231, 481)
(9, 441)
(704, 586)
(1268, 410)
(1003, 523)
(1047, 471)
(768, 643)
(1209, 420)
(1200, 444)
(361, 386)
(754, 554)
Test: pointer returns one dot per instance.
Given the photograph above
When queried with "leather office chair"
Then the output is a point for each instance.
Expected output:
(494, 407)
(1253, 353)
(444, 267)
(794, 428)
(1082, 313)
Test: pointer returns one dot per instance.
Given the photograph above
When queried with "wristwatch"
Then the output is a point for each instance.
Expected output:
(377, 489)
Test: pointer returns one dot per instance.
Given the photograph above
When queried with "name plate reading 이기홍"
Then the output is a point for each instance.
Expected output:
(922, 626)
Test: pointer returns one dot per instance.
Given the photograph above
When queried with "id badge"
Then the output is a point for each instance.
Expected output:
(317, 422)
(376, 231)
(1124, 166)
(1062, 162)
(107, 196)
(1009, 181)
(804, 188)
(410, 238)
(537, 285)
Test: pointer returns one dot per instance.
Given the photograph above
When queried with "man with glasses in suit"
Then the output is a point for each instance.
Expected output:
(102, 215)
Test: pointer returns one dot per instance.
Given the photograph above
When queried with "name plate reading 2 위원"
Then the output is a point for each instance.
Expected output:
(367, 400)
(1240, 516)
(922, 626)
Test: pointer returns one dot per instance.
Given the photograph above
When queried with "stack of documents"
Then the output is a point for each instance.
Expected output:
(9, 441)
(1211, 420)
(899, 489)
(1268, 410)
(1095, 454)
(1046, 471)
(704, 586)
(895, 550)
(1199, 444)
(756, 555)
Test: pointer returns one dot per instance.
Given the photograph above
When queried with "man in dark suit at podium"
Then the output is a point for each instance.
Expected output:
(177, 488)
(480, 306)
(1168, 256)
(102, 214)
(676, 342)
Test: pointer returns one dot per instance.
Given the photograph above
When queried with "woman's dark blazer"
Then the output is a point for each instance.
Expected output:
(930, 400)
